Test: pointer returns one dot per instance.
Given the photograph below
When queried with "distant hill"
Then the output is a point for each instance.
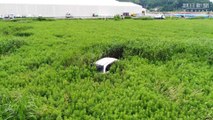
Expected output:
(165, 5)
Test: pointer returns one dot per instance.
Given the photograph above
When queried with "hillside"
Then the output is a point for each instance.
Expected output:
(166, 5)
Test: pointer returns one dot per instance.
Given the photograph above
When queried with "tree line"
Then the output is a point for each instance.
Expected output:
(167, 5)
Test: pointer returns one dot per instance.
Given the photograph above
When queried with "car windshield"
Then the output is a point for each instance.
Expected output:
(108, 67)
(100, 68)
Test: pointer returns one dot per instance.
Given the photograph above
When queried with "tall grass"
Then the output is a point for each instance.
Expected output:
(164, 70)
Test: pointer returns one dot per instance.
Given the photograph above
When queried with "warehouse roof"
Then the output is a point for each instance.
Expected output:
(70, 2)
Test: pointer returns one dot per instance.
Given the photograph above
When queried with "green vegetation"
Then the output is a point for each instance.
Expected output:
(167, 5)
(144, 18)
(165, 69)
(117, 17)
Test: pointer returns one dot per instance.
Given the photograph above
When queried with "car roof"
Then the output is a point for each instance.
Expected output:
(105, 61)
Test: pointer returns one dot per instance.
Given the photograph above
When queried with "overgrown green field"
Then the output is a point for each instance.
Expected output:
(165, 69)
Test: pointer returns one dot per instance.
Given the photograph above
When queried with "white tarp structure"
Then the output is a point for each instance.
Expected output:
(59, 8)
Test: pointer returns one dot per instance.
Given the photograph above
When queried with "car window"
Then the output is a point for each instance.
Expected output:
(100, 68)
(108, 67)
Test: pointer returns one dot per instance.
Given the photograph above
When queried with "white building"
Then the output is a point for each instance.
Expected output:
(59, 8)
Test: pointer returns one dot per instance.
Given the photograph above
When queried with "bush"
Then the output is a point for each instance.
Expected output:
(13, 30)
(128, 17)
(23, 34)
(10, 46)
(210, 59)
(117, 17)
(43, 19)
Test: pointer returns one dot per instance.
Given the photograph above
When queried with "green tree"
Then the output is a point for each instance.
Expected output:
(165, 5)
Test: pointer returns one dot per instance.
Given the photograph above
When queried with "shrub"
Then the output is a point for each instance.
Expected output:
(115, 51)
(23, 34)
(210, 59)
(117, 17)
(128, 17)
(13, 30)
(43, 19)
(10, 46)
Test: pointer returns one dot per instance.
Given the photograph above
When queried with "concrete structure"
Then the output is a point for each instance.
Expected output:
(61, 8)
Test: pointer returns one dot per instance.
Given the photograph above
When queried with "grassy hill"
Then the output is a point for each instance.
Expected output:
(164, 72)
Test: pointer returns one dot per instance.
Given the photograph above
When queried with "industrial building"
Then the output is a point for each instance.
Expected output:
(67, 8)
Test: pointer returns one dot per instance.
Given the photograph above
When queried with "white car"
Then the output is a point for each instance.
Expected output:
(104, 64)
(159, 16)
(68, 15)
(9, 16)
